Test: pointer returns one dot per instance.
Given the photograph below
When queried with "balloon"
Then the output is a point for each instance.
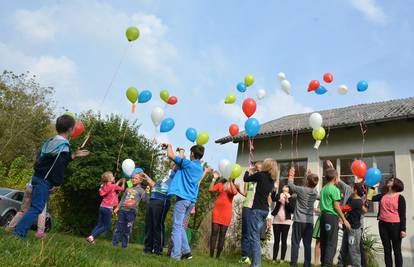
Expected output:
(241, 87)
(132, 33)
(144, 96)
(233, 130)
(249, 107)
(128, 166)
(132, 94)
(318, 134)
(252, 127)
(164, 95)
(362, 86)
(78, 129)
(224, 169)
(202, 138)
(315, 120)
(172, 100)
(71, 114)
(261, 93)
(328, 77)
(321, 90)
(342, 89)
(359, 168)
(281, 76)
(286, 86)
(157, 115)
(191, 134)
(230, 99)
(248, 80)
(167, 125)
(372, 177)
(313, 85)
(236, 170)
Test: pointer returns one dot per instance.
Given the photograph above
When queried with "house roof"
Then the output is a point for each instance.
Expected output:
(334, 118)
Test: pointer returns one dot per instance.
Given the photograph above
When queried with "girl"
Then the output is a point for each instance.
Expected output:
(265, 180)
(282, 220)
(391, 216)
(222, 212)
(109, 191)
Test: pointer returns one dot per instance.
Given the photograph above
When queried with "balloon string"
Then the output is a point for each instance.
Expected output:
(120, 149)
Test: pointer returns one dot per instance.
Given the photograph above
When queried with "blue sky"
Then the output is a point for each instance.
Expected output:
(200, 50)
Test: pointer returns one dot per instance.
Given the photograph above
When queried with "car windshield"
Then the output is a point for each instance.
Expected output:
(4, 191)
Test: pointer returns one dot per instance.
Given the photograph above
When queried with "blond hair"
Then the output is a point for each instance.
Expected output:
(106, 176)
(270, 166)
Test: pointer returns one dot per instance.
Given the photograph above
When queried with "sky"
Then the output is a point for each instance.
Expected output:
(199, 50)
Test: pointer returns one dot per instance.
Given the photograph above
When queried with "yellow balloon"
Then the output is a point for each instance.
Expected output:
(236, 170)
(248, 80)
(230, 99)
(318, 134)
(202, 138)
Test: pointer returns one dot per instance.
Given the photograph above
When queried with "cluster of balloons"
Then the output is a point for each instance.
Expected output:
(229, 170)
(371, 177)
(315, 86)
(284, 83)
(192, 135)
(79, 127)
(134, 97)
(318, 133)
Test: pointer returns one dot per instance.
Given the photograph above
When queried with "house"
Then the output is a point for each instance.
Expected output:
(382, 134)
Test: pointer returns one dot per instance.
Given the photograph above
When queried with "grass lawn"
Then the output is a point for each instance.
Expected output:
(66, 250)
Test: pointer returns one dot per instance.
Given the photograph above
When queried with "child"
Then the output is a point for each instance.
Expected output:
(330, 198)
(128, 207)
(350, 249)
(49, 171)
(109, 191)
(302, 227)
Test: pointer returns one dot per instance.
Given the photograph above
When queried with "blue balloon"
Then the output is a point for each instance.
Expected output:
(241, 87)
(167, 125)
(321, 90)
(191, 134)
(252, 127)
(372, 177)
(144, 96)
(362, 86)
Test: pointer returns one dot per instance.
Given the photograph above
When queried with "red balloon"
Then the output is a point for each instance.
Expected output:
(328, 77)
(359, 168)
(249, 107)
(172, 100)
(78, 129)
(313, 85)
(233, 130)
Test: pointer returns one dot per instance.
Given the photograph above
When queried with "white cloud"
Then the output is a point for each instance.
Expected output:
(36, 26)
(371, 9)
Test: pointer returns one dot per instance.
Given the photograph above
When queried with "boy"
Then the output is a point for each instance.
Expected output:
(330, 198)
(185, 187)
(49, 170)
(302, 227)
(128, 207)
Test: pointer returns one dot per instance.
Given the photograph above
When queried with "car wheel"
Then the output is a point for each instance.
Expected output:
(7, 218)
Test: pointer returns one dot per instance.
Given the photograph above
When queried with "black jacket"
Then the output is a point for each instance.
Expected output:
(401, 209)
(289, 207)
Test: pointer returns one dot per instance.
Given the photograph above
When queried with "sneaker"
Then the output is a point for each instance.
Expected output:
(40, 235)
(187, 256)
(90, 240)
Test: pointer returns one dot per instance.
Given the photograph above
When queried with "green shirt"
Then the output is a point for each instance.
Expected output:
(329, 194)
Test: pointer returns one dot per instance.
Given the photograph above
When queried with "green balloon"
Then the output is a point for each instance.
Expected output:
(318, 134)
(132, 94)
(132, 33)
(164, 95)
(70, 114)
(202, 138)
(248, 80)
(230, 99)
(236, 170)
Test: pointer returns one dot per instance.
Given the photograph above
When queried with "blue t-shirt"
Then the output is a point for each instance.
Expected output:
(160, 189)
(185, 182)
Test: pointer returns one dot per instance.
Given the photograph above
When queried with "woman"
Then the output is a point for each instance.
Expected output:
(282, 220)
(391, 217)
(265, 181)
(222, 212)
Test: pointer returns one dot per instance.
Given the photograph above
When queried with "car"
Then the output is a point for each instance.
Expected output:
(10, 202)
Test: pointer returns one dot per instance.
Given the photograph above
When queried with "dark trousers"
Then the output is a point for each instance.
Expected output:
(301, 231)
(329, 238)
(157, 210)
(390, 237)
(280, 233)
(245, 243)
(123, 227)
(217, 230)
(104, 222)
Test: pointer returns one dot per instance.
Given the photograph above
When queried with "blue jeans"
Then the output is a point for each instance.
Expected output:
(123, 227)
(256, 223)
(104, 222)
(179, 238)
(245, 242)
(40, 196)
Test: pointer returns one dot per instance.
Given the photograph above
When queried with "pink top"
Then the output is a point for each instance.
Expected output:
(280, 217)
(110, 195)
(389, 208)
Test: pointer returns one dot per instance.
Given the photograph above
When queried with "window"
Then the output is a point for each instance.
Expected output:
(300, 171)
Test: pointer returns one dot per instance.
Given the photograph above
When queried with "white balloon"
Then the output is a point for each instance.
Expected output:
(128, 166)
(223, 168)
(281, 76)
(342, 89)
(315, 120)
(157, 115)
(286, 86)
(261, 93)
